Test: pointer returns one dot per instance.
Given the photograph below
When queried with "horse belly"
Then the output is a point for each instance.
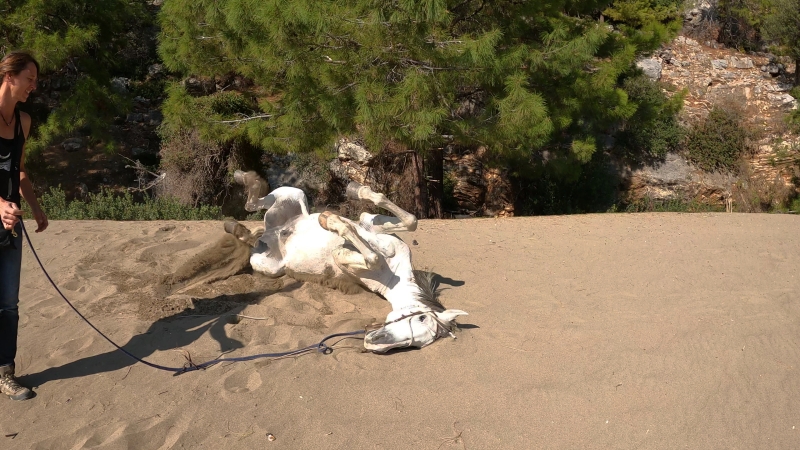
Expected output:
(308, 249)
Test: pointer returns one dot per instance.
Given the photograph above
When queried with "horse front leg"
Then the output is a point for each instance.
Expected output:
(347, 230)
(377, 223)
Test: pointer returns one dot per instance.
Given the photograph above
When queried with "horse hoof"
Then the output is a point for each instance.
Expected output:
(352, 190)
(235, 228)
(230, 226)
(372, 260)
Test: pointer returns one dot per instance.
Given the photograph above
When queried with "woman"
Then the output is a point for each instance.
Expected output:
(18, 72)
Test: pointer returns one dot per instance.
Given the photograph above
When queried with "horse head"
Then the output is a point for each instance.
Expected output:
(414, 327)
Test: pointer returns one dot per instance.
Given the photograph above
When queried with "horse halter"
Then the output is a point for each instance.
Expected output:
(436, 332)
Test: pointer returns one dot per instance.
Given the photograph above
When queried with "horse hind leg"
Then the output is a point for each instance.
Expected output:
(241, 232)
(257, 189)
(262, 259)
(401, 221)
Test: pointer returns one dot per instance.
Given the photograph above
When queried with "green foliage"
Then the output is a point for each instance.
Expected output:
(449, 202)
(793, 118)
(109, 206)
(653, 130)
(782, 26)
(741, 22)
(565, 187)
(719, 141)
(218, 118)
(794, 206)
(648, 22)
(515, 76)
(79, 40)
(89, 107)
(673, 205)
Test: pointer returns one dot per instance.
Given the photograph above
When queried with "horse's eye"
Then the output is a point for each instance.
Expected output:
(422, 318)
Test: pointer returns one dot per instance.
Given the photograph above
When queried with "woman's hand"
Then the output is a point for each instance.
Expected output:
(41, 220)
(10, 214)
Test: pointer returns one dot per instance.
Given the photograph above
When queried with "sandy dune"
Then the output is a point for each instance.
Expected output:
(595, 331)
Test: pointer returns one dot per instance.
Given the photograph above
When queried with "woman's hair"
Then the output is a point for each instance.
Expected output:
(15, 62)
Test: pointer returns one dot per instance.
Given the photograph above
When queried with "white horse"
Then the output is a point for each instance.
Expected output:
(336, 251)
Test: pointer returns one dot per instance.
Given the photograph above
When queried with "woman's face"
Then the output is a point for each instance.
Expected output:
(23, 83)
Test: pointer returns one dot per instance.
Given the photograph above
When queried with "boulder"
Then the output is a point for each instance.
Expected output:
(785, 100)
(73, 144)
(741, 63)
(498, 201)
(651, 67)
(120, 85)
(198, 86)
(154, 118)
(350, 151)
(135, 118)
(719, 63)
(155, 70)
(478, 189)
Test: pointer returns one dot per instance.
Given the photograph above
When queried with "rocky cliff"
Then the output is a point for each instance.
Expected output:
(759, 84)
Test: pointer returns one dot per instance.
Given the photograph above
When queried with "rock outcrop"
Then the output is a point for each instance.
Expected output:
(757, 83)
(478, 189)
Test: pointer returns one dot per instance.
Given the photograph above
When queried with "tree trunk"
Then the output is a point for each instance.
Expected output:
(434, 163)
(797, 71)
(420, 188)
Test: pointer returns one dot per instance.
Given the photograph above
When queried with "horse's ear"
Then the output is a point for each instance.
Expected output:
(450, 314)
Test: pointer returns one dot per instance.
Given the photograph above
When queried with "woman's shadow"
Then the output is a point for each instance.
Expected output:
(170, 333)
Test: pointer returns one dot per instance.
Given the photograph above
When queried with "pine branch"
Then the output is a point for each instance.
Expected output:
(423, 65)
(328, 59)
(363, 22)
(469, 17)
(344, 88)
(246, 119)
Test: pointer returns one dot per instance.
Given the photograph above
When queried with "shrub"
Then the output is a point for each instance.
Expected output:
(793, 119)
(672, 205)
(754, 193)
(107, 205)
(741, 22)
(719, 141)
(563, 187)
(653, 131)
(199, 172)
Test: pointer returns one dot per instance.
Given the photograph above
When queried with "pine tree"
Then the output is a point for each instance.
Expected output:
(782, 25)
(518, 77)
(84, 38)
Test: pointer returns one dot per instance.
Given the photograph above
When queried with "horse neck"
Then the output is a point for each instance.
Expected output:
(404, 295)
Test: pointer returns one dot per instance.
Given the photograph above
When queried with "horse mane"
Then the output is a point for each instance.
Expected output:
(429, 290)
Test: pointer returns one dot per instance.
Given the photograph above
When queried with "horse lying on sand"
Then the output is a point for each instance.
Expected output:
(338, 252)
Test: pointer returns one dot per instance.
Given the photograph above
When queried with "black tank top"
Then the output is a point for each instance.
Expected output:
(10, 155)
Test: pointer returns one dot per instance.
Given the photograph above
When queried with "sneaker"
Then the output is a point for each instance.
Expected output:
(11, 387)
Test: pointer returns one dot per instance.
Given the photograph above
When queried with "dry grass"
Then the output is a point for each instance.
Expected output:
(198, 171)
(756, 193)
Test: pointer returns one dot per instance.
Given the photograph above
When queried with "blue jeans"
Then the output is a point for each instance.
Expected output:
(10, 269)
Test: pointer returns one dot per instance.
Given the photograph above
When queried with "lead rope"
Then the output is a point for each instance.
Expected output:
(190, 366)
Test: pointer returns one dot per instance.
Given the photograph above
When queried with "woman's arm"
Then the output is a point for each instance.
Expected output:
(25, 186)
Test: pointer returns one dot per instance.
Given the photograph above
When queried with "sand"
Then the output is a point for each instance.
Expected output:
(592, 331)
